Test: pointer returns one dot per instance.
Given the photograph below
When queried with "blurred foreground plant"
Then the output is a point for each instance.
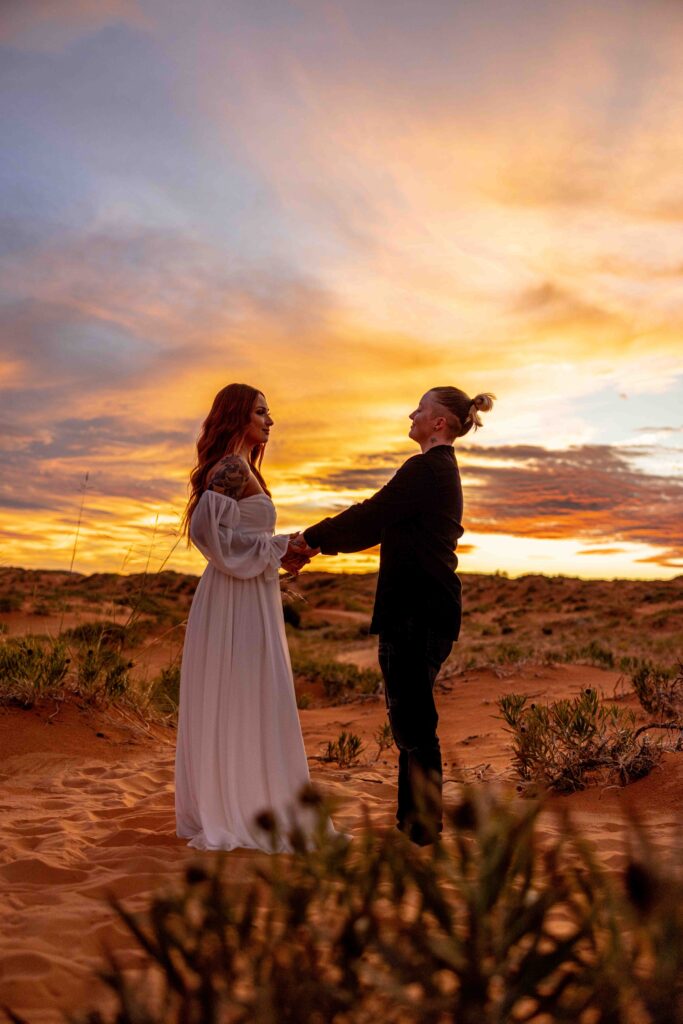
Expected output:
(498, 923)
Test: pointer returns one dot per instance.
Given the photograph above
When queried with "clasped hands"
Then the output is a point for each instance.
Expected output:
(298, 554)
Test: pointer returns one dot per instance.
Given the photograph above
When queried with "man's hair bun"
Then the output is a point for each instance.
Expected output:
(480, 403)
(463, 411)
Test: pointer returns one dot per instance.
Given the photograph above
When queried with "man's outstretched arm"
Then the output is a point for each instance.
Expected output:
(360, 526)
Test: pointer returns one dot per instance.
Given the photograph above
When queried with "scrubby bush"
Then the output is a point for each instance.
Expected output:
(102, 674)
(511, 653)
(595, 654)
(495, 925)
(564, 744)
(337, 678)
(383, 738)
(165, 694)
(31, 668)
(345, 750)
(659, 690)
(98, 634)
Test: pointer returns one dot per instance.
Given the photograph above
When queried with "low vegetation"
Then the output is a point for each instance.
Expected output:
(660, 690)
(568, 743)
(338, 680)
(494, 924)
(89, 664)
(383, 738)
(31, 669)
(345, 750)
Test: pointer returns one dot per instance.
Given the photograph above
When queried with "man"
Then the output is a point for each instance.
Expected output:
(416, 518)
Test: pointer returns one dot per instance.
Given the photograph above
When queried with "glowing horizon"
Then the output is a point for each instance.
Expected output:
(344, 207)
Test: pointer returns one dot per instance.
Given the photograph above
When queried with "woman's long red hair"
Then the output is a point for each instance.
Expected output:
(222, 432)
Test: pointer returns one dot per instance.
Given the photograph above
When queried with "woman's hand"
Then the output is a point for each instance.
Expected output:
(298, 554)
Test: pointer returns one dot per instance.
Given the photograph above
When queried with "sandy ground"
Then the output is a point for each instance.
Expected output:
(86, 800)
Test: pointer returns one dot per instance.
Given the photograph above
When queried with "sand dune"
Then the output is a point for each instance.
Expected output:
(86, 801)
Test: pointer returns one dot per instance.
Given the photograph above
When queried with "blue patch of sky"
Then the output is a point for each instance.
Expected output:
(623, 419)
(95, 132)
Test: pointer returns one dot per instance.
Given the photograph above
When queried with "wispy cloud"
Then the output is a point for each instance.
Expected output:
(344, 204)
(592, 492)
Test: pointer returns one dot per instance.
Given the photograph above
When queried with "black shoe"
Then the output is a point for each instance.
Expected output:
(419, 834)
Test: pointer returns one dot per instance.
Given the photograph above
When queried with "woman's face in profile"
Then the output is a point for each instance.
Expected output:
(258, 429)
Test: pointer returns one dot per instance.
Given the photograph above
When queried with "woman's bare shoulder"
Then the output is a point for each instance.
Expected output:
(229, 476)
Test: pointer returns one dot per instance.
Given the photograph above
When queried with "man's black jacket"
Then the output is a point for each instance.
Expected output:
(416, 518)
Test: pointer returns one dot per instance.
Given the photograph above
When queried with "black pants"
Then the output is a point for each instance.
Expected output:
(410, 656)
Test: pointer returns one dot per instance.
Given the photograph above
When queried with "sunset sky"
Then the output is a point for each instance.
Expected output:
(344, 203)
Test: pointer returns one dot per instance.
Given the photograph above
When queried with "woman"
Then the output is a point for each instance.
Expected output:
(240, 750)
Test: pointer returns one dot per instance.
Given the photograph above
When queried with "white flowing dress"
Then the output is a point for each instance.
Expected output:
(240, 750)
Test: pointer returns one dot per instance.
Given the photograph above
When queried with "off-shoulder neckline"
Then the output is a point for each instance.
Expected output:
(238, 501)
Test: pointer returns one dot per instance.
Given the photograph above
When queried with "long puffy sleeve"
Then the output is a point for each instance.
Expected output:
(216, 529)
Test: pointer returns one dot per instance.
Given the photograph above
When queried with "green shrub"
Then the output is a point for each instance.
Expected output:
(166, 689)
(31, 668)
(493, 926)
(383, 738)
(98, 634)
(345, 750)
(102, 674)
(563, 744)
(303, 701)
(512, 654)
(595, 654)
(659, 690)
(337, 678)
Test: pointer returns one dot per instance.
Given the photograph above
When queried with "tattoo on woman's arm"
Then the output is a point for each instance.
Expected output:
(230, 477)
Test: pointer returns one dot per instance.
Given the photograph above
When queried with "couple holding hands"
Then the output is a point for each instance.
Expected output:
(239, 749)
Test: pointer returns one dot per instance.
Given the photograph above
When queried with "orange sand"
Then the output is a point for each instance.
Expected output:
(86, 800)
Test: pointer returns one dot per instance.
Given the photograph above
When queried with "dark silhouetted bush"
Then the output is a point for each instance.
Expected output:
(493, 925)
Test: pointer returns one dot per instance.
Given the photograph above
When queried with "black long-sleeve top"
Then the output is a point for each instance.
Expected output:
(416, 518)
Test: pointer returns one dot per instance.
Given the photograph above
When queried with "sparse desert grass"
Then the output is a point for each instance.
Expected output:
(569, 743)
(494, 925)
(507, 623)
(30, 669)
(102, 674)
(660, 690)
(339, 680)
(345, 750)
(88, 663)
(102, 633)
(165, 690)
(383, 738)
